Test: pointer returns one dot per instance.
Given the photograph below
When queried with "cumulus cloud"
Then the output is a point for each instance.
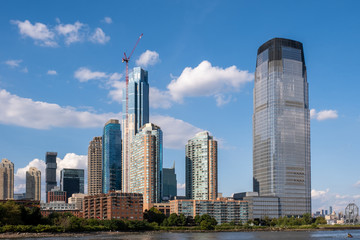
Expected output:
(148, 58)
(45, 35)
(51, 72)
(116, 93)
(176, 131)
(71, 32)
(99, 36)
(323, 115)
(84, 74)
(13, 63)
(208, 80)
(107, 20)
(39, 32)
(159, 99)
(318, 193)
(71, 160)
(25, 112)
(181, 186)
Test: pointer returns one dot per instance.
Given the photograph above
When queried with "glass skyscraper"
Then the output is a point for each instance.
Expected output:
(138, 115)
(111, 165)
(72, 181)
(50, 172)
(281, 126)
(169, 183)
(201, 167)
(146, 161)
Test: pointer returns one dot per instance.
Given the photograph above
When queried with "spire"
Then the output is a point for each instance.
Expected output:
(173, 165)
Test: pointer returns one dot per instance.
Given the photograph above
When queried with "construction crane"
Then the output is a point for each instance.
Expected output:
(126, 60)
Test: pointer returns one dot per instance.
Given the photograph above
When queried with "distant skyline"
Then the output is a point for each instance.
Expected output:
(61, 80)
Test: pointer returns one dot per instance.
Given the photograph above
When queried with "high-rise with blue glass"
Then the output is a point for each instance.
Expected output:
(111, 160)
(138, 115)
(281, 126)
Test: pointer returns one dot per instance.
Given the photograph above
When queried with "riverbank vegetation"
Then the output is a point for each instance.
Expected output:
(17, 218)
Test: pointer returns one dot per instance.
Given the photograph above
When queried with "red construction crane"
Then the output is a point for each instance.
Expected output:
(126, 60)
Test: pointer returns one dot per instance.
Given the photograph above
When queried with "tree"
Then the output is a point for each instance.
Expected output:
(154, 215)
(320, 220)
(307, 218)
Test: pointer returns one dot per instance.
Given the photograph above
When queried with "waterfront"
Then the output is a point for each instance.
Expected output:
(339, 234)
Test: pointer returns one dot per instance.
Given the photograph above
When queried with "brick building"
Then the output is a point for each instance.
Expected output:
(114, 205)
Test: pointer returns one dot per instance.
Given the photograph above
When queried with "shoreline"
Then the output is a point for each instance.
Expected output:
(19, 235)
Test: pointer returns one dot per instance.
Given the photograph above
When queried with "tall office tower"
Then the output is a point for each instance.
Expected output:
(111, 156)
(138, 115)
(201, 167)
(6, 179)
(146, 164)
(95, 166)
(33, 184)
(72, 181)
(169, 183)
(281, 126)
(50, 172)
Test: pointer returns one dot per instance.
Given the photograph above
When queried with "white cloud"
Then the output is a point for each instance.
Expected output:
(116, 94)
(222, 100)
(206, 80)
(107, 20)
(71, 160)
(159, 99)
(181, 186)
(25, 70)
(39, 32)
(148, 58)
(71, 32)
(25, 112)
(13, 63)
(84, 74)
(99, 36)
(176, 131)
(318, 193)
(323, 115)
(51, 72)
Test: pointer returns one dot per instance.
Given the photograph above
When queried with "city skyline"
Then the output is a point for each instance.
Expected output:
(49, 77)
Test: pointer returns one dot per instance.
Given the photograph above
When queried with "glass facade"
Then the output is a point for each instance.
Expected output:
(111, 165)
(146, 161)
(72, 181)
(50, 171)
(281, 126)
(138, 115)
(169, 183)
(201, 167)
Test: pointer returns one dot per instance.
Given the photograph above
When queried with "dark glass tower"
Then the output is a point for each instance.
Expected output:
(72, 181)
(111, 165)
(169, 183)
(50, 173)
(281, 126)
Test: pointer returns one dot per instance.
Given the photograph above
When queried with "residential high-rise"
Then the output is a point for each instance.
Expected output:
(138, 115)
(169, 183)
(201, 167)
(146, 164)
(33, 184)
(50, 172)
(111, 156)
(281, 126)
(72, 181)
(95, 166)
(6, 179)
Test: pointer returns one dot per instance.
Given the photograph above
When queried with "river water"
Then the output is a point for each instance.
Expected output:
(219, 235)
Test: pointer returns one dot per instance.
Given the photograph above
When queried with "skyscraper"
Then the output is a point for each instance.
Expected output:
(138, 115)
(146, 164)
(72, 181)
(201, 167)
(50, 172)
(169, 183)
(111, 160)
(6, 179)
(33, 184)
(281, 126)
(95, 166)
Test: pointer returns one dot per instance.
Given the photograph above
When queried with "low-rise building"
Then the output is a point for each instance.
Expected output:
(56, 195)
(114, 205)
(223, 210)
(57, 206)
(260, 206)
(78, 200)
(162, 207)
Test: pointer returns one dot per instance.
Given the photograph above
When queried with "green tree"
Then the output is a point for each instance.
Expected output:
(320, 220)
(154, 215)
(173, 219)
(307, 218)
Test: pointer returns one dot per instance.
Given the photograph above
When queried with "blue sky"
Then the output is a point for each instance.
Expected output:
(61, 77)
